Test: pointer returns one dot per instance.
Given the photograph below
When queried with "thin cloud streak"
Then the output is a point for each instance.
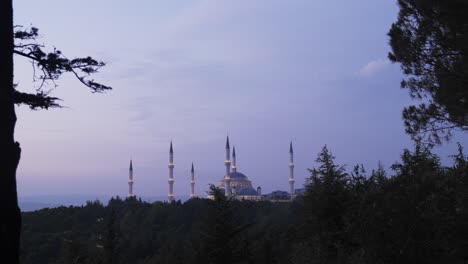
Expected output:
(373, 67)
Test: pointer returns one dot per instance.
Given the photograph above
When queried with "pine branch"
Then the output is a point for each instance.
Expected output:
(36, 101)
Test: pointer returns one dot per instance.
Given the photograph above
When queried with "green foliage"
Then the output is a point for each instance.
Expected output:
(324, 208)
(417, 215)
(132, 231)
(219, 233)
(430, 41)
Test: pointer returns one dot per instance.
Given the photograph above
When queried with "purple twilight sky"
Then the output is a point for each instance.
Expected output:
(264, 72)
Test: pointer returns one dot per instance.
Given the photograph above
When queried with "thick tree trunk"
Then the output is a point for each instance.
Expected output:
(10, 219)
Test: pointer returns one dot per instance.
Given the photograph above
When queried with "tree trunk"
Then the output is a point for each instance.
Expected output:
(10, 219)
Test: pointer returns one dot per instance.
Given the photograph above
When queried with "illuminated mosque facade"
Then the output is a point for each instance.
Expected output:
(234, 183)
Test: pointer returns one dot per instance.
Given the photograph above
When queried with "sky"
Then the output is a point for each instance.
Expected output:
(264, 72)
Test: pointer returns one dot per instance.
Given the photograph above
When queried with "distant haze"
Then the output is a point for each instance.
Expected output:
(36, 202)
(264, 72)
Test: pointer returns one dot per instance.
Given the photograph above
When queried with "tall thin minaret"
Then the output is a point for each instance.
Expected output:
(192, 183)
(130, 180)
(171, 174)
(291, 169)
(227, 162)
(233, 167)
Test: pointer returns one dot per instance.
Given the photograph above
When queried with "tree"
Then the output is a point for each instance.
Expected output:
(111, 239)
(51, 66)
(430, 41)
(220, 234)
(420, 211)
(325, 204)
(458, 175)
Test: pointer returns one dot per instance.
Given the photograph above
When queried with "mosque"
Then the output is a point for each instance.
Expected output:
(234, 183)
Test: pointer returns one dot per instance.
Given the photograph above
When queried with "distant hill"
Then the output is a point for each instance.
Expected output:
(33, 206)
(37, 202)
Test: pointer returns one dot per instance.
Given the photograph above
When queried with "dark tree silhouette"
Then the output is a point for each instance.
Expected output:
(430, 41)
(10, 222)
(418, 214)
(220, 236)
(48, 67)
(325, 204)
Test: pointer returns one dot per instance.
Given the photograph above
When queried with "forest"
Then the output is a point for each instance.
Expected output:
(414, 212)
(418, 213)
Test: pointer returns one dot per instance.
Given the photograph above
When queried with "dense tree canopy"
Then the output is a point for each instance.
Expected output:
(418, 215)
(430, 41)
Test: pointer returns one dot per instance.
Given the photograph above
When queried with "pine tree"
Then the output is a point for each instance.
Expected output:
(430, 41)
(324, 209)
(51, 65)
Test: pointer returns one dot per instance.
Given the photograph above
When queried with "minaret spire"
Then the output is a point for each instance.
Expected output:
(130, 180)
(291, 169)
(171, 174)
(233, 167)
(227, 163)
(192, 183)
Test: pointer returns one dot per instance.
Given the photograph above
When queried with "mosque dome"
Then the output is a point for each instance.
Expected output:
(237, 175)
(238, 180)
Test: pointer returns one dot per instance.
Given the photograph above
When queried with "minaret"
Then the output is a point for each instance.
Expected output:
(233, 167)
(192, 183)
(291, 169)
(227, 162)
(130, 180)
(171, 174)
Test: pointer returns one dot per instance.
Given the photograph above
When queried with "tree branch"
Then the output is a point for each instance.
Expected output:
(36, 101)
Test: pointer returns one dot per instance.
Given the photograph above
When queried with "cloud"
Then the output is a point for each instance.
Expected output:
(373, 67)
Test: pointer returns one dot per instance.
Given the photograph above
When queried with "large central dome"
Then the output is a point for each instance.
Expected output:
(239, 184)
(238, 181)
(237, 175)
